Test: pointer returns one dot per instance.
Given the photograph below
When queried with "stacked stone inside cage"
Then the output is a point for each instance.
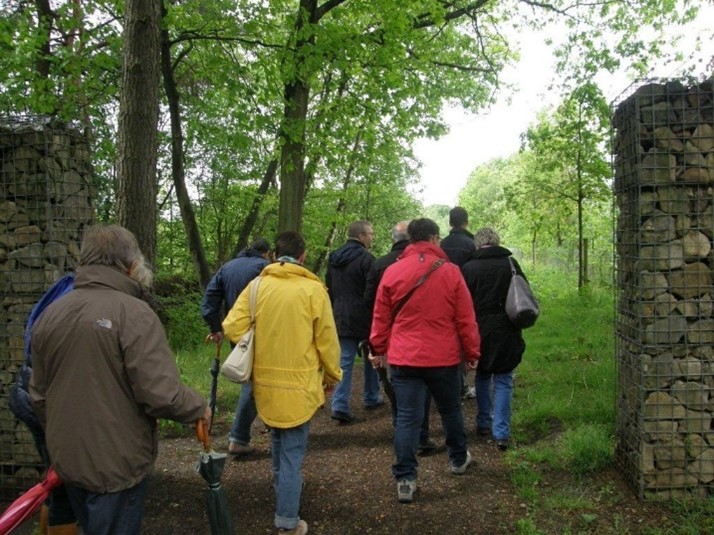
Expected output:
(45, 201)
(664, 192)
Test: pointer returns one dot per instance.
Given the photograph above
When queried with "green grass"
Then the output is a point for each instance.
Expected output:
(564, 418)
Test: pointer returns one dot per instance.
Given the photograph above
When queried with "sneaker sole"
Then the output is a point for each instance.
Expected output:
(461, 470)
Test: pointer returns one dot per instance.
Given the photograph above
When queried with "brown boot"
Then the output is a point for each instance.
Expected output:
(63, 529)
(44, 519)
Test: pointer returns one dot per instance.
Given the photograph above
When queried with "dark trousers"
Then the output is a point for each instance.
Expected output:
(111, 513)
(409, 387)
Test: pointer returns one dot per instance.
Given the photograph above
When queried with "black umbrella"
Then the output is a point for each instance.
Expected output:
(363, 350)
(210, 466)
(215, 369)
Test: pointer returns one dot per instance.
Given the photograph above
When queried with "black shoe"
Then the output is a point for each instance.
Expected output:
(343, 417)
(483, 431)
(502, 445)
(374, 405)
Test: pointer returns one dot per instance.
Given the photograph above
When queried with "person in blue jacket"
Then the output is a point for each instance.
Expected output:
(219, 297)
(57, 514)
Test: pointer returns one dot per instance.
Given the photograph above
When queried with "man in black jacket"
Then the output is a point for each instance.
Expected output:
(459, 244)
(346, 279)
(459, 247)
(400, 240)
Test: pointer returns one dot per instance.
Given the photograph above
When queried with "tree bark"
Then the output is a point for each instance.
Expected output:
(292, 129)
(138, 121)
(178, 174)
(44, 24)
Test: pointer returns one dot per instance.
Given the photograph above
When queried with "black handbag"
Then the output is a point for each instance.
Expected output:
(521, 305)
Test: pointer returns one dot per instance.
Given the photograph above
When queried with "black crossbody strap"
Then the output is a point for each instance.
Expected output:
(397, 309)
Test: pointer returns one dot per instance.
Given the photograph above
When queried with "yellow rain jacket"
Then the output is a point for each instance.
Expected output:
(297, 352)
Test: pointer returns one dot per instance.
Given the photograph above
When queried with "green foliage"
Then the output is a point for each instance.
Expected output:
(180, 300)
(552, 200)
(185, 329)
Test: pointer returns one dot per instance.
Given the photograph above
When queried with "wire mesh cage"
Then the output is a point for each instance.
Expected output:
(663, 156)
(45, 201)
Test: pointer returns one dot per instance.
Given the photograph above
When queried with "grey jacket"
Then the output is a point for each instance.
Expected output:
(103, 373)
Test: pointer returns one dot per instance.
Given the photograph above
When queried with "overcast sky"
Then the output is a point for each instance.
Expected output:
(476, 139)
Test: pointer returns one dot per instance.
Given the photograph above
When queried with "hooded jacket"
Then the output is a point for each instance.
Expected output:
(378, 268)
(346, 279)
(228, 282)
(488, 276)
(438, 320)
(297, 351)
(102, 374)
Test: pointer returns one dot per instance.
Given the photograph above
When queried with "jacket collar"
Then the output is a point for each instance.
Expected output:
(107, 277)
(423, 247)
(461, 231)
(287, 270)
(493, 251)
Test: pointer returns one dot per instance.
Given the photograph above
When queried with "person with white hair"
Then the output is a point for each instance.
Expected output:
(488, 276)
(103, 374)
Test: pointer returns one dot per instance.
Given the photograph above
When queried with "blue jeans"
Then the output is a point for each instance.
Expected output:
(341, 396)
(245, 415)
(112, 513)
(424, 433)
(496, 415)
(288, 450)
(443, 385)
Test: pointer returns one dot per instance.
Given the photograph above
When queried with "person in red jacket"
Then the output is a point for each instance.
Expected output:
(423, 318)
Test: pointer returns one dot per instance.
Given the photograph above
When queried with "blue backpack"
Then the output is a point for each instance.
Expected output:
(20, 403)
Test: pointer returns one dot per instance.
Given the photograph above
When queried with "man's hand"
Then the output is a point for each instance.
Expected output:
(216, 338)
(471, 365)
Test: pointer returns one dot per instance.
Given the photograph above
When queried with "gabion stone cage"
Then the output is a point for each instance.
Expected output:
(45, 201)
(664, 187)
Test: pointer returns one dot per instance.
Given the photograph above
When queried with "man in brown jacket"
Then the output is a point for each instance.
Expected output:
(103, 373)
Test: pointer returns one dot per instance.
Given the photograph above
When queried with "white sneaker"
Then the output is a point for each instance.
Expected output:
(300, 529)
(406, 490)
(458, 470)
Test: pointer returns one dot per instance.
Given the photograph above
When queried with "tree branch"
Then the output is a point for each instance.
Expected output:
(327, 7)
(193, 36)
(427, 20)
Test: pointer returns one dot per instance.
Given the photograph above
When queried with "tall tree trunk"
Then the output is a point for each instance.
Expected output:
(252, 218)
(44, 24)
(138, 121)
(178, 174)
(292, 129)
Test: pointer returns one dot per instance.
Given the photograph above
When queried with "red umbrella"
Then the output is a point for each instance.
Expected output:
(22, 508)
